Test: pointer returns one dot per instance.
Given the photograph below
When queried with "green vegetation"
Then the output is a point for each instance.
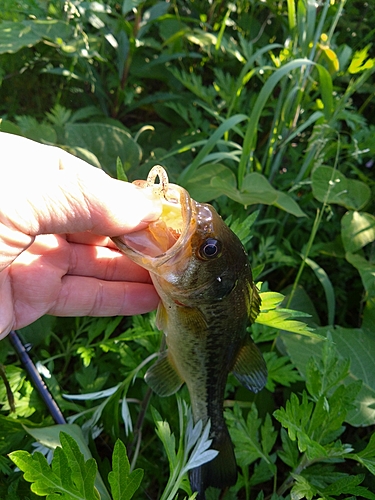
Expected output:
(265, 109)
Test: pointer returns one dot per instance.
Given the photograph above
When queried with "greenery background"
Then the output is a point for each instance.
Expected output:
(265, 109)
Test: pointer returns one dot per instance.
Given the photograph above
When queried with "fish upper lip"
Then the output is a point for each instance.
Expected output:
(189, 225)
(188, 209)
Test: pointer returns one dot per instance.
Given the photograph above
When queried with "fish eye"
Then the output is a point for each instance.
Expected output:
(210, 249)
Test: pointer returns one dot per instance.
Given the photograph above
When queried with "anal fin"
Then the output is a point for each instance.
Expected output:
(162, 377)
(250, 368)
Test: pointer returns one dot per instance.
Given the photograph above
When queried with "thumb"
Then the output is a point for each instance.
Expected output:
(46, 190)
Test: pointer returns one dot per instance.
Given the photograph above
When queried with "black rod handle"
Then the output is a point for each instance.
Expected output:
(36, 379)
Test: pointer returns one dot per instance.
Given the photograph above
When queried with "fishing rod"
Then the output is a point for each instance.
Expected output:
(36, 378)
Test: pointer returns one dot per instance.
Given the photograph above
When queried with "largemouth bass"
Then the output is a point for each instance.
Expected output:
(202, 275)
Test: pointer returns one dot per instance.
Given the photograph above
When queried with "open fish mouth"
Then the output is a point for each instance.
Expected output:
(165, 237)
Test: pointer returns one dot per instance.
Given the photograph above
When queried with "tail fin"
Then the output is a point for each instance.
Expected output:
(220, 472)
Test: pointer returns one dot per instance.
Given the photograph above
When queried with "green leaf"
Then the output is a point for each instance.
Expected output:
(163, 430)
(322, 474)
(327, 287)
(16, 35)
(86, 353)
(201, 186)
(36, 470)
(369, 451)
(286, 203)
(256, 189)
(50, 437)
(366, 270)
(123, 483)
(267, 89)
(295, 417)
(83, 472)
(121, 174)
(358, 63)
(262, 472)
(331, 186)
(242, 228)
(106, 142)
(69, 476)
(358, 346)
(349, 485)
(326, 372)
(228, 124)
(357, 230)
(366, 457)
(280, 318)
(302, 488)
(193, 448)
(289, 453)
(252, 440)
(280, 371)
(129, 5)
(32, 129)
(268, 435)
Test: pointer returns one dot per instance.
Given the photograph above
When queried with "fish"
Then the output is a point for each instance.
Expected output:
(208, 298)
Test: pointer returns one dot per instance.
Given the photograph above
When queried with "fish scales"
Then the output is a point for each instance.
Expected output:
(208, 298)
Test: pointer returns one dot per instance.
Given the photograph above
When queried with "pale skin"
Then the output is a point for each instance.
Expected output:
(56, 216)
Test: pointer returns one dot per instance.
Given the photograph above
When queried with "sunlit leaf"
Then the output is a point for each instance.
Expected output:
(360, 61)
(357, 230)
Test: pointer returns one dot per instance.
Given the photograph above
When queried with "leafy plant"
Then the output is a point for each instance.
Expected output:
(70, 476)
(266, 110)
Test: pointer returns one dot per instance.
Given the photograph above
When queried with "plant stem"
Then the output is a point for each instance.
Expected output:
(138, 430)
(317, 221)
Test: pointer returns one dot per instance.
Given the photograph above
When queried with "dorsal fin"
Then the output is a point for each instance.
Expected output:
(250, 368)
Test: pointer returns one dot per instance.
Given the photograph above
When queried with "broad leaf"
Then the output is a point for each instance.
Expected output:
(331, 186)
(256, 189)
(366, 270)
(357, 230)
(106, 142)
(16, 35)
(201, 187)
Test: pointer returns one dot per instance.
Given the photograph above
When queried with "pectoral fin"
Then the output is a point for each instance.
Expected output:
(161, 317)
(162, 377)
(254, 302)
(250, 368)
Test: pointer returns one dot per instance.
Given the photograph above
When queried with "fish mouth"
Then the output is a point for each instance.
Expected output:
(164, 238)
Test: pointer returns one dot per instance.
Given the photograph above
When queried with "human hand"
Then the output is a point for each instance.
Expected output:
(56, 216)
